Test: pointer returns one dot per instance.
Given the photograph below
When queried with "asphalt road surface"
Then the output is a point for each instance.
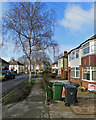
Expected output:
(9, 84)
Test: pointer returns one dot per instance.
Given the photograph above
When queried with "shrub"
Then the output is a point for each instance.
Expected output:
(27, 84)
(33, 72)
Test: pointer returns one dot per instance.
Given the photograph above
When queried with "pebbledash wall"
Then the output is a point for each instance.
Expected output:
(82, 63)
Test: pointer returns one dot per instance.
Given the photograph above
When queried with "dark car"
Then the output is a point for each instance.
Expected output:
(7, 74)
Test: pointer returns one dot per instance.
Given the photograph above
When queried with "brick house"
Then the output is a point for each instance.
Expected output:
(3, 64)
(16, 66)
(54, 67)
(63, 66)
(82, 63)
(35, 66)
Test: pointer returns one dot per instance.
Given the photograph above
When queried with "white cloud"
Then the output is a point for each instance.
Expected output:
(76, 17)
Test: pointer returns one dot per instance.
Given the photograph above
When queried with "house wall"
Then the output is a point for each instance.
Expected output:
(84, 60)
(19, 68)
(89, 60)
(63, 68)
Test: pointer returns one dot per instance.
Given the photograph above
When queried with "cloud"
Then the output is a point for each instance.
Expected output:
(76, 17)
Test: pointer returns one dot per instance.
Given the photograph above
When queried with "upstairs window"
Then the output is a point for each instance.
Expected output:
(77, 54)
(73, 55)
(86, 49)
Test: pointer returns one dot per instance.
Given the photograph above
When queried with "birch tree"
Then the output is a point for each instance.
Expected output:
(31, 26)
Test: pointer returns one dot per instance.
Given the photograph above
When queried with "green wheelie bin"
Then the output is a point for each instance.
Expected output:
(57, 91)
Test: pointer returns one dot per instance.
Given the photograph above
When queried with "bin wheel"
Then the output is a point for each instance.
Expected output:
(76, 101)
(67, 104)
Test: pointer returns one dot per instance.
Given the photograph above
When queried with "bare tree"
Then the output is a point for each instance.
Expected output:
(31, 26)
(22, 59)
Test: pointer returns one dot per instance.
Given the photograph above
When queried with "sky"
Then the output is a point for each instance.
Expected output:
(75, 24)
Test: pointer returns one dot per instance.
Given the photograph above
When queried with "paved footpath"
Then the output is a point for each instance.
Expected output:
(32, 107)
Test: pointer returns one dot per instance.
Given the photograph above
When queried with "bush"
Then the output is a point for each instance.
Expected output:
(27, 84)
(33, 72)
(34, 76)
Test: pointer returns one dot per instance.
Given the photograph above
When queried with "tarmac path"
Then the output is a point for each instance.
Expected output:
(32, 107)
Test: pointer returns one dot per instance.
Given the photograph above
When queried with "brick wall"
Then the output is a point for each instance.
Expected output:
(75, 80)
(85, 60)
(85, 83)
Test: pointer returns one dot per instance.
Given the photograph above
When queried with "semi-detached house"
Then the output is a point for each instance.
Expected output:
(82, 63)
(63, 66)
(54, 67)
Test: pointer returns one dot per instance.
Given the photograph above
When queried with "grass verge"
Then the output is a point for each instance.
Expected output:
(18, 74)
(19, 94)
(34, 76)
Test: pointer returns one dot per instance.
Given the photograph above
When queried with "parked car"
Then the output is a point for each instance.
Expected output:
(7, 74)
(1, 76)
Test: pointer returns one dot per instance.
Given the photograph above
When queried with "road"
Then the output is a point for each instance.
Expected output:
(9, 84)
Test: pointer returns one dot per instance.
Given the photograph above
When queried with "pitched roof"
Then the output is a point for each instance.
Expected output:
(91, 38)
(56, 62)
(15, 63)
(1, 60)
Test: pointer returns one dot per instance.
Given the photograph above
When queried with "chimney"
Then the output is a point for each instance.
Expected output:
(12, 60)
(65, 52)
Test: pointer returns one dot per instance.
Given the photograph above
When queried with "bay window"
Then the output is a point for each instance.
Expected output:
(89, 73)
(75, 72)
(86, 73)
(72, 72)
(93, 69)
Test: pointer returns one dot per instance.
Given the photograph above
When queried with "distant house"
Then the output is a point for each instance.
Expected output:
(63, 66)
(35, 66)
(82, 63)
(16, 66)
(3, 64)
(54, 67)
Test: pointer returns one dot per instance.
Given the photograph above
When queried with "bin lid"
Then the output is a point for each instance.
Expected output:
(70, 86)
(74, 85)
(58, 84)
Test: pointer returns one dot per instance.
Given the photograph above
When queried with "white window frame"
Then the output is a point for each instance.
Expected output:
(90, 75)
(75, 73)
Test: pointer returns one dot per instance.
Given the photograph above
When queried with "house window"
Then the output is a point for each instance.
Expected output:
(72, 72)
(93, 73)
(77, 72)
(56, 65)
(70, 57)
(73, 55)
(42, 65)
(86, 49)
(93, 46)
(59, 71)
(86, 73)
(77, 54)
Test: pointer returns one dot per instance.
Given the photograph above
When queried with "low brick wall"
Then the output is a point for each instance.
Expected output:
(85, 83)
(75, 80)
